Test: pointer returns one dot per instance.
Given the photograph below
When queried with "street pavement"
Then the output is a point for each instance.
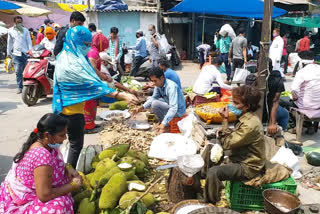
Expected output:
(17, 121)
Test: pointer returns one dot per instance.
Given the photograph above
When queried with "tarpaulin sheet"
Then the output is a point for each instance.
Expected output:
(4, 5)
(239, 8)
(308, 22)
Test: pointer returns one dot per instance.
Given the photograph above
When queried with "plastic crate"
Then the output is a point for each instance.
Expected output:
(242, 197)
(201, 100)
(173, 124)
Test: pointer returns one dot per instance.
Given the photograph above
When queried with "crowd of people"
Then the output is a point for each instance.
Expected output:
(87, 66)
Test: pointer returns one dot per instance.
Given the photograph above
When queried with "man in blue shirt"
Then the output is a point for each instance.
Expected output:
(140, 52)
(166, 102)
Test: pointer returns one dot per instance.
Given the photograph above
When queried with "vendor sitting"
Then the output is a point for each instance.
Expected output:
(209, 75)
(167, 100)
(246, 143)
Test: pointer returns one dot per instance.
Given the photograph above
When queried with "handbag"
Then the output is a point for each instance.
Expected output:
(240, 75)
(9, 65)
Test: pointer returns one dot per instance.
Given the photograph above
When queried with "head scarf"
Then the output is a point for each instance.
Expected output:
(100, 42)
(75, 80)
(49, 33)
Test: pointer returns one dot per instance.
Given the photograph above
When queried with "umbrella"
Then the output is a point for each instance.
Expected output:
(4, 5)
(27, 10)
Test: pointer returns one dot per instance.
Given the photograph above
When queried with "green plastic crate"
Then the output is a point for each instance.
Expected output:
(242, 197)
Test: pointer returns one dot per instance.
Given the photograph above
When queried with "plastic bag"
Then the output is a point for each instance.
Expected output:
(190, 164)
(9, 65)
(216, 153)
(86, 156)
(186, 124)
(164, 46)
(287, 158)
(169, 147)
(128, 57)
(227, 29)
(64, 150)
(240, 75)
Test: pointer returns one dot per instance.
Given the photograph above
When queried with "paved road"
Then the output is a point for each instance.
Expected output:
(17, 121)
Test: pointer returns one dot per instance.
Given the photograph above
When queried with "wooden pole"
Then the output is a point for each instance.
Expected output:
(263, 60)
(203, 24)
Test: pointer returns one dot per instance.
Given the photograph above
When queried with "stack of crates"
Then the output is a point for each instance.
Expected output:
(242, 197)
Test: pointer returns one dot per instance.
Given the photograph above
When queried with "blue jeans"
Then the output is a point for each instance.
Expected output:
(282, 117)
(224, 59)
(19, 63)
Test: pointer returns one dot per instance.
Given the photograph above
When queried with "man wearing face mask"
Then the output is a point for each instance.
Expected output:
(76, 19)
(19, 42)
(276, 49)
(140, 52)
(154, 48)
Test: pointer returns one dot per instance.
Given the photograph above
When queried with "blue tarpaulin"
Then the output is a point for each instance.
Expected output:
(239, 8)
(4, 5)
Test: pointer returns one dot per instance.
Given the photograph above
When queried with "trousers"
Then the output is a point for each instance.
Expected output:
(282, 118)
(137, 62)
(19, 63)
(215, 176)
(75, 136)
(236, 63)
(224, 59)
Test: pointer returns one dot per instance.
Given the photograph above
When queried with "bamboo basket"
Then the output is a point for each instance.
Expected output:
(214, 117)
(188, 202)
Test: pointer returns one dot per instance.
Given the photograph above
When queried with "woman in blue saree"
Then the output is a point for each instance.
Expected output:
(75, 82)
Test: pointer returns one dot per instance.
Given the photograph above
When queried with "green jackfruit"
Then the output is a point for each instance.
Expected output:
(136, 186)
(130, 197)
(121, 149)
(95, 161)
(139, 155)
(85, 180)
(119, 105)
(112, 191)
(103, 167)
(133, 178)
(79, 197)
(105, 178)
(115, 211)
(86, 207)
(126, 159)
(130, 174)
(140, 166)
(149, 212)
(106, 154)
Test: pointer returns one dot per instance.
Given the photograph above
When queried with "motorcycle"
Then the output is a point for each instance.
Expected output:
(37, 75)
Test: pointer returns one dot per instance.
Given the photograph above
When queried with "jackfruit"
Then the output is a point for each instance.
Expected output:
(103, 167)
(105, 178)
(136, 186)
(163, 213)
(95, 161)
(112, 191)
(106, 154)
(139, 155)
(86, 207)
(130, 174)
(126, 159)
(85, 180)
(119, 105)
(140, 166)
(125, 166)
(80, 196)
(149, 212)
(115, 211)
(130, 197)
(121, 149)
(133, 178)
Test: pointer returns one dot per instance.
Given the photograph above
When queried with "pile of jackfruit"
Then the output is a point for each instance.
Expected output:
(115, 184)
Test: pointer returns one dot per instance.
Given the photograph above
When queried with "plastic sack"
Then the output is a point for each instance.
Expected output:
(190, 164)
(86, 156)
(9, 65)
(128, 57)
(186, 124)
(287, 158)
(64, 150)
(227, 29)
(216, 153)
(169, 147)
(164, 46)
(240, 75)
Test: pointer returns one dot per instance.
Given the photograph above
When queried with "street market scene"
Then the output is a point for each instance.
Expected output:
(159, 106)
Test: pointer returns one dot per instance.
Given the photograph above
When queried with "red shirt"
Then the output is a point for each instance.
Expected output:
(304, 44)
(285, 52)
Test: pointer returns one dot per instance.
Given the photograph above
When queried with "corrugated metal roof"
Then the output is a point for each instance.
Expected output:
(177, 20)
(131, 9)
(290, 2)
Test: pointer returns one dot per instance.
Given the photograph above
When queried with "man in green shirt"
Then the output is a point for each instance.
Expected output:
(223, 46)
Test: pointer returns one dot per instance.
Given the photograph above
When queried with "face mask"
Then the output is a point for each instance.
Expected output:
(234, 110)
(54, 146)
(151, 32)
(274, 35)
(84, 50)
(19, 27)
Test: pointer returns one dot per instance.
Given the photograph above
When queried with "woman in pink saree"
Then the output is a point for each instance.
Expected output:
(38, 181)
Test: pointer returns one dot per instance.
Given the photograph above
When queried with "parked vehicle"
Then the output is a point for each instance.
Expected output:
(38, 75)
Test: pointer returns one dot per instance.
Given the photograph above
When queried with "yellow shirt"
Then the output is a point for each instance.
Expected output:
(74, 109)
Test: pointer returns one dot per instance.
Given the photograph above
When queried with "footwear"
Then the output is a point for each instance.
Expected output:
(19, 91)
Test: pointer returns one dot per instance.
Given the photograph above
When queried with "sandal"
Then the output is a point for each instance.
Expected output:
(96, 129)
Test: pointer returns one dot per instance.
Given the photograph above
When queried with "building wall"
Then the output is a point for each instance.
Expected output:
(146, 19)
(91, 18)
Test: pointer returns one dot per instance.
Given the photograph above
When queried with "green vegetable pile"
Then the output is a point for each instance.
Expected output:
(210, 95)
(285, 94)
(188, 90)
(131, 83)
(115, 184)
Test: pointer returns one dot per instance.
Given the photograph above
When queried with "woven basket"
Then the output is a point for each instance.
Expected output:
(214, 117)
(213, 210)
(188, 202)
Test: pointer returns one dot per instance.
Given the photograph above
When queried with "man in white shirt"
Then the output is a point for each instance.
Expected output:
(276, 49)
(19, 42)
(209, 75)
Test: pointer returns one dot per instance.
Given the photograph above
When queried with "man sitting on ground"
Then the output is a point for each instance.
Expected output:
(166, 102)
(209, 75)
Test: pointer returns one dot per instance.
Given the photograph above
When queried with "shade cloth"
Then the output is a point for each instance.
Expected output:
(27, 10)
(249, 9)
(4, 5)
(308, 22)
